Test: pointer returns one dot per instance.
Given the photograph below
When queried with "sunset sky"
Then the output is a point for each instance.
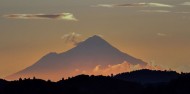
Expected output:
(156, 31)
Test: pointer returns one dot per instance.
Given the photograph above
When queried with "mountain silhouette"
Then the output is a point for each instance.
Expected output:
(84, 57)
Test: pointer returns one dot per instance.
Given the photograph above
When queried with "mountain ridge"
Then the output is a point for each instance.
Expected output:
(84, 57)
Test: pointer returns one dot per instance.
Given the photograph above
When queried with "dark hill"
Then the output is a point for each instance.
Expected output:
(148, 76)
(98, 85)
(85, 84)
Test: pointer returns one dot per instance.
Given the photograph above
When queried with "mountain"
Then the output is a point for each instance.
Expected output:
(80, 59)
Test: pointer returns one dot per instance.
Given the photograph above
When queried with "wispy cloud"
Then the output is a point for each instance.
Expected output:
(115, 69)
(72, 38)
(123, 67)
(59, 16)
(183, 68)
(183, 12)
(158, 11)
(135, 5)
(104, 5)
(185, 3)
(162, 34)
(159, 5)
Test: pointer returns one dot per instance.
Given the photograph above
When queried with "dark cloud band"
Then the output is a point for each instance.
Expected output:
(60, 16)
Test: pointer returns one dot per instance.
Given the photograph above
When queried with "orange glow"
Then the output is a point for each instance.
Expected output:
(98, 70)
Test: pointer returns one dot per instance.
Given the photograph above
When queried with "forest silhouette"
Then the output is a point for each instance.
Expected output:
(136, 82)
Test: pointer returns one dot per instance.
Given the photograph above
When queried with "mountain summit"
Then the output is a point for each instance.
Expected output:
(84, 57)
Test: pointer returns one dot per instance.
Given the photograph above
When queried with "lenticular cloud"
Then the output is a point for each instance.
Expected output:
(135, 5)
(59, 16)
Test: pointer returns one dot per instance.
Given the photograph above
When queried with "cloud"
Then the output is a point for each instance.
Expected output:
(135, 5)
(115, 69)
(182, 12)
(183, 68)
(104, 5)
(72, 38)
(123, 67)
(159, 5)
(158, 11)
(185, 3)
(161, 34)
(59, 16)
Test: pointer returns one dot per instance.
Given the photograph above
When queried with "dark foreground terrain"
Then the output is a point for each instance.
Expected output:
(136, 82)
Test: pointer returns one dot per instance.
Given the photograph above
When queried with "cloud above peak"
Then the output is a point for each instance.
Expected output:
(58, 16)
(72, 38)
(135, 5)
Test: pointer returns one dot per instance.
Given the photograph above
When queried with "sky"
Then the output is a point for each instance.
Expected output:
(155, 31)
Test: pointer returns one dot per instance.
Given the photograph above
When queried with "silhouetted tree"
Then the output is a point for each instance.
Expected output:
(112, 75)
(20, 79)
(34, 78)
